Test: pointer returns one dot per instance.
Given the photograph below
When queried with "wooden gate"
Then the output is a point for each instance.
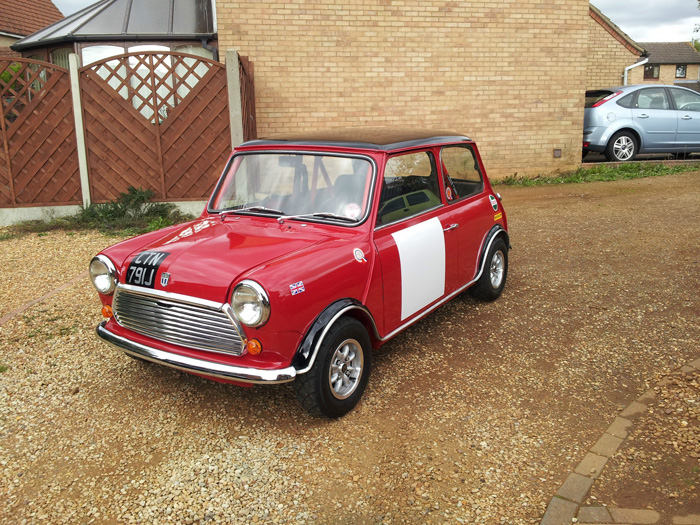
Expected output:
(155, 120)
(38, 163)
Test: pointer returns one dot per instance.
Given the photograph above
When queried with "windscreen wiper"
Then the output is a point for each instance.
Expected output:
(321, 214)
(263, 209)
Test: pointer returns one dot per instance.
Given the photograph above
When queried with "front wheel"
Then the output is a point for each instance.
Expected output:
(493, 278)
(339, 375)
(622, 147)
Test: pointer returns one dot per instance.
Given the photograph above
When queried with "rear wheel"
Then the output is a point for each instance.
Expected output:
(493, 278)
(339, 375)
(622, 147)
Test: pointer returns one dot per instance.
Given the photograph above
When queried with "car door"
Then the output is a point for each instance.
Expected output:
(416, 245)
(656, 119)
(687, 104)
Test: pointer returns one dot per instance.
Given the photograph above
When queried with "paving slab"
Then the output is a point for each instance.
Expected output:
(620, 427)
(575, 488)
(607, 445)
(635, 409)
(594, 515)
(636, 516)
(591, 465)
(559, 512)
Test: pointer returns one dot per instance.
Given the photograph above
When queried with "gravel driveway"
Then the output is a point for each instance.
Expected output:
(475, 415)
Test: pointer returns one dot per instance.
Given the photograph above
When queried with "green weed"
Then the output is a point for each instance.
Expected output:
(602, 172)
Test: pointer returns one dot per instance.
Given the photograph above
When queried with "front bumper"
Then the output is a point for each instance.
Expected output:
(196, 366)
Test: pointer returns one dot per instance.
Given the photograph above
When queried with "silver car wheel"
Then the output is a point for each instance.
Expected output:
(346, 369)
(497, 269)
(623, 148)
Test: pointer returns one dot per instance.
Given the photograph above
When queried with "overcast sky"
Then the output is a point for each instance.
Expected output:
(643, 20)
(653, 20)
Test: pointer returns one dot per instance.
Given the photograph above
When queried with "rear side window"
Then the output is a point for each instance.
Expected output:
(596, 95)
(653, 98)
(461, 174)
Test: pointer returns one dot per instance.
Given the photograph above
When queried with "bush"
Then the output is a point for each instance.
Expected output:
(130, 214)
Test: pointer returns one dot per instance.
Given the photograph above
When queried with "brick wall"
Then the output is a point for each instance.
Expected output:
(607, 58)
(667, 75)
(509, 74)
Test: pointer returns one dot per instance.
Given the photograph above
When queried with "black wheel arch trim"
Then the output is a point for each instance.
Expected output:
(308, 350)
(493, 232)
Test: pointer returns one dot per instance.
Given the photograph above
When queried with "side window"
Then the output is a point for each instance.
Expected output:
(626, 101)
(653, 98)
(410, 187)
(686, 100)
(460, 172)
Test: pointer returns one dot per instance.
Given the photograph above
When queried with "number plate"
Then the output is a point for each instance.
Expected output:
(143, 269)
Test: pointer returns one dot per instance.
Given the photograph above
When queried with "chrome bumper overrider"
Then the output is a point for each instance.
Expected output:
(196, 366)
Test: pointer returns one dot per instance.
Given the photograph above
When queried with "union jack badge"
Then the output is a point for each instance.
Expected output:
(297, 287)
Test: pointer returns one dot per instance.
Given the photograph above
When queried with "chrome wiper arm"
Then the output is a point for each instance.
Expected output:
(321, 214)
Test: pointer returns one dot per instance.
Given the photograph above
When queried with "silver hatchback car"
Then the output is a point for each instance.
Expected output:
(623, 121)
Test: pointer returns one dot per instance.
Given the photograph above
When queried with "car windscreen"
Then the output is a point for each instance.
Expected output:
(596, 95)
(325, 186)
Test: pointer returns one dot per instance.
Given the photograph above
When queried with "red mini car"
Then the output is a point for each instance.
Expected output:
(313, 250)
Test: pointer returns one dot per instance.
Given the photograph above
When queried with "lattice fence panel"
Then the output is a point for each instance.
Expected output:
(121, 143)
(196, 140)
(39, 161)
(158, 121)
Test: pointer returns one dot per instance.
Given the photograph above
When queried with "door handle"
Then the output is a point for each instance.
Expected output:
(686, 117)
(450, 227)
(643, 115)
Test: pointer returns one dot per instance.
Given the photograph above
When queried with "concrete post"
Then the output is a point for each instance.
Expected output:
(235, 104)
(73, 63)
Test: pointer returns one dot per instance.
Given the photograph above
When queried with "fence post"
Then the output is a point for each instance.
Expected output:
(235, 104)
(79, 128)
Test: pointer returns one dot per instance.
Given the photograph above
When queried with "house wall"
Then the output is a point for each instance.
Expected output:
(667, 75)
(607, 58)
(511, 75)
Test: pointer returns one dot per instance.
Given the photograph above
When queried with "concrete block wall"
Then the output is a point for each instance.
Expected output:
(510, 74)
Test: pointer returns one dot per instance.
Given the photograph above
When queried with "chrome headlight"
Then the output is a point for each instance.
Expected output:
(250, 303)
(103, 275)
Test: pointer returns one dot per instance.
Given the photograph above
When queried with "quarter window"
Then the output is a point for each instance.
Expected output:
(681, 71)
(651, 72)
(461, 174)
(410, 187)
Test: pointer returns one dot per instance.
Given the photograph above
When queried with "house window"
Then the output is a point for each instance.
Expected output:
(681, 71)
(651, 72)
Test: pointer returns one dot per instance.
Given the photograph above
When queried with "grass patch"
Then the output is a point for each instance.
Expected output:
(131, 213)
(601, 172)
(3, 368)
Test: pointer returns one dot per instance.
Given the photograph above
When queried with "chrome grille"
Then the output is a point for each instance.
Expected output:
(177, 321)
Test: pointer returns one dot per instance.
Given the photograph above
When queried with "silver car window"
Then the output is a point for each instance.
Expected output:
(686, 100)
(653, 98)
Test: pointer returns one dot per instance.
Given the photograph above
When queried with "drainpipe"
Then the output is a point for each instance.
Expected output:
(624, 81)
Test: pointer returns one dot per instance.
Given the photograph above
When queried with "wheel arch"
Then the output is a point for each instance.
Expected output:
(309, 347)
(632, 131)
(496, 231)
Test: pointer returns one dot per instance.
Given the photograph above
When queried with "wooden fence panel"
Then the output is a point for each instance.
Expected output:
(38, 156)
(158, 121)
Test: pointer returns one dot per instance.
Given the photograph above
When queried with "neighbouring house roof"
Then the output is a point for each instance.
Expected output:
(133, 20)
(24, 17)
(615, 31)
(671, 53)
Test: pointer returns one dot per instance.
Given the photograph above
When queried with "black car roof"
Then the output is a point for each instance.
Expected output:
(364, 138)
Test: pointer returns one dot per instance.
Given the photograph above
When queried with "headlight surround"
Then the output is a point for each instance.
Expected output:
(103, 275)
(250, 303)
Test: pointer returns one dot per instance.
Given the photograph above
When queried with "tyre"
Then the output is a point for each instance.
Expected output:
(622, 147)
(339, 375)
(493, 279)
